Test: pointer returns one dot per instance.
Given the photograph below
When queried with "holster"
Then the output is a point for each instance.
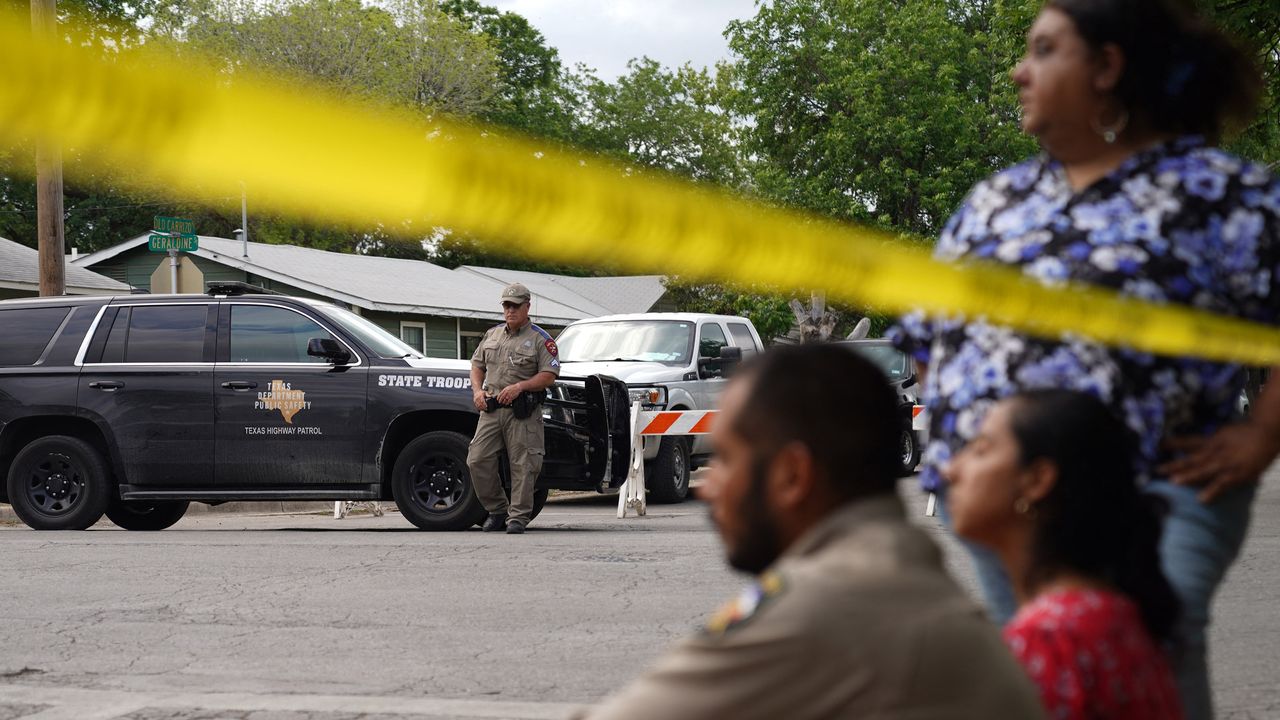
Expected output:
(491, 404)
(526, 403)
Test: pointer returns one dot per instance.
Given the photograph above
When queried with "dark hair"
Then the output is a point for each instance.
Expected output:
(835, 402)
(1095, 521)
(1181, 74)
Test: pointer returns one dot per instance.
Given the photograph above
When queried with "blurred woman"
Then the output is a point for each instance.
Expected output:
(1047, 484)
(1126, 98)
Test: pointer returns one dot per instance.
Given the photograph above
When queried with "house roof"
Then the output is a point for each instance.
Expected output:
(416, 286)
(595, 296)
(20, 270)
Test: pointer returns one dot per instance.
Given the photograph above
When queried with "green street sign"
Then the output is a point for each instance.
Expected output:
(184, 242)
(174, 225)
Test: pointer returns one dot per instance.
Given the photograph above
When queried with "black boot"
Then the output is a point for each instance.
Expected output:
(493, 522)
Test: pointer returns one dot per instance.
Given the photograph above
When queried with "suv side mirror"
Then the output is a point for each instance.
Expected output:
(329, 349)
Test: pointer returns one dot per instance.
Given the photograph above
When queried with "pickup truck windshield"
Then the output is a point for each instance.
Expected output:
(669, 342)
(383, 343)
(890, 360)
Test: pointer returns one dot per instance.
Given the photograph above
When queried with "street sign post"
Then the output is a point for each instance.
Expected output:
(173, 235)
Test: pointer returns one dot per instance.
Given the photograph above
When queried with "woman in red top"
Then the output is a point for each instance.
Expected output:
(1048, 484)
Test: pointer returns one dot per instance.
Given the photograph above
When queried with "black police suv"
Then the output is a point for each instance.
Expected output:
(136, 405)
(899, 369)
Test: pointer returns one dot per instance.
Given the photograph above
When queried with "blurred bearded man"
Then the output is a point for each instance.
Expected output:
(851, 614)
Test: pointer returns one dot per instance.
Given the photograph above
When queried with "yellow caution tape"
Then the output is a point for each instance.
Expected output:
(302, 150)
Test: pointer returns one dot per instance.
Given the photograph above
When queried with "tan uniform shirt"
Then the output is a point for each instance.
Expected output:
(508, 357)
(857, 620)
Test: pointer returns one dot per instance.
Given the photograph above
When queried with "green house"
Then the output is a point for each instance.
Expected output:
(439, 311)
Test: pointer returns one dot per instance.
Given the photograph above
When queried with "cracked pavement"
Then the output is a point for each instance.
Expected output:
(303, 617)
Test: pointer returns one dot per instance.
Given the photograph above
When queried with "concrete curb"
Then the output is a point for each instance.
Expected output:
(238, 508)
(277, 507)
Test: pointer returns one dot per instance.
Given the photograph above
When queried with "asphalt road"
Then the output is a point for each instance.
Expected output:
(305, 617)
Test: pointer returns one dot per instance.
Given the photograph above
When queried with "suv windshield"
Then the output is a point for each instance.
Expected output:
(381, 342)
(669, 342)
(890, 360)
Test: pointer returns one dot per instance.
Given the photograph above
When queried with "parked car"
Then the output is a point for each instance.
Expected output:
(670, 361)
(901, 373)
(135, 406)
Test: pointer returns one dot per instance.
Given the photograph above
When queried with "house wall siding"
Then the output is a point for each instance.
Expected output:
(441, 332)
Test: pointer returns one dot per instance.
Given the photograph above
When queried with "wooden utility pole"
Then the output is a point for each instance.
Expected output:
(44, 20)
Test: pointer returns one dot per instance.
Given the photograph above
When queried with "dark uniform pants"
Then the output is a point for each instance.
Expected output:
(523, 442)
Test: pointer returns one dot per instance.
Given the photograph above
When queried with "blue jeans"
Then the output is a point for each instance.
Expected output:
(1198, 545)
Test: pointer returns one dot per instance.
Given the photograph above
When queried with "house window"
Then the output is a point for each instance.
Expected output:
(469, 341)
(414, 334)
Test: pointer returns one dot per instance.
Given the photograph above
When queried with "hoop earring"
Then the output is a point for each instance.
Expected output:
(1022, 506)
(1111, 131)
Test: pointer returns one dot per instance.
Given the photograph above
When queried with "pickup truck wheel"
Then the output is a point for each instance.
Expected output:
(146, 514)
(909, 444)
(431, 484)
(667, 476)
(59, 483)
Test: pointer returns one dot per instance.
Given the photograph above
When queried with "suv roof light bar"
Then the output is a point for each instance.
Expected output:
(223, 287)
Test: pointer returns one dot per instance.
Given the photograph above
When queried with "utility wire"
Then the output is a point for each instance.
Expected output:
(110, 207)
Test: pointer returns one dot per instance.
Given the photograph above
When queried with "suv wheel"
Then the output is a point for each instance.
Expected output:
(909, 445)
(59, 483)
(666, 477)
(146, 514)
(432, 486)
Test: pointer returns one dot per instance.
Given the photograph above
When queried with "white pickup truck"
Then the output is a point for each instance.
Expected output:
(669, 361)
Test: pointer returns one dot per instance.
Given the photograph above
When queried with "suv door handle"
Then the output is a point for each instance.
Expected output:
(107, 385)
(240, 385)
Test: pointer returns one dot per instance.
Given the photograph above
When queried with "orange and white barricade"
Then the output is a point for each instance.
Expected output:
(644, 423)
(920, 423)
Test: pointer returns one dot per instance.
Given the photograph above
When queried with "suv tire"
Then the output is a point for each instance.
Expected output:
(146, 514)
(59, 483)
(909, 450)
(431, 484)
(666, 477)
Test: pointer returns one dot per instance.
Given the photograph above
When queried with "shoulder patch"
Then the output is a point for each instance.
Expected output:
(737, 612)
(551, 348)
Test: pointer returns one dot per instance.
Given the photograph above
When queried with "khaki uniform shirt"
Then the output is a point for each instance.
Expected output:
(508, 357)
(857, 619)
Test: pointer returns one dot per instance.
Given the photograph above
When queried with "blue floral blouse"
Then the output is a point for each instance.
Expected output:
(1180, 222)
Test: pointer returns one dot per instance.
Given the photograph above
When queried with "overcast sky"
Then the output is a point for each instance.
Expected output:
(605, 34)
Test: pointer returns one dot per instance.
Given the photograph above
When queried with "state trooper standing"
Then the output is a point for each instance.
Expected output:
(510, 372)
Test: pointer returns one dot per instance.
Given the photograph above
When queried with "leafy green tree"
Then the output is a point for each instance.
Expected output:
(671, 120)
(674, 120)
(1256, 25)
(409, 52)
(767, 310)
(876, 111)
(535, 93)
